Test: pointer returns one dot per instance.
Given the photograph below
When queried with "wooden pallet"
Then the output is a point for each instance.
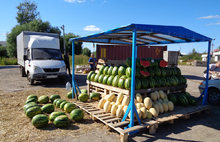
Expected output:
(116, 124)
(107, 89)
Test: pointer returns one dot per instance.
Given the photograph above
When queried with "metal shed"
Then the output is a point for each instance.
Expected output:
(143, 34)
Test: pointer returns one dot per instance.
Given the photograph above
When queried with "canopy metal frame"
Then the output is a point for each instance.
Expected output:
(142, 34)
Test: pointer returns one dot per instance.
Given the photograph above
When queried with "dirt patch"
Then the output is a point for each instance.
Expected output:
(15, 126)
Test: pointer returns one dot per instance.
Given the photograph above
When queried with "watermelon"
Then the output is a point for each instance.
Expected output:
(29, 105)
(58, 102)
(128, 61)
(110, 69)
(115, 81)
(40, 120)
(138, 73)
(105, 71)
(48, 108)
(163, 72)
(110, 79)
(183, 79)
(152, 82)
(151, 72)
(32, 111)
(138, 64)
(101, 69)
(137, 84)
(93, 77)
(172, 98)
(83, 97)
(101, 78)
(43, 99)
(115, 71)
(178, 71)
(157, 71)
(163, 82)
(31, 100)
(156, 62)
(53, 97)
(32, 96)
(144, 63)
(63, 104)
(158, 81)
(122, 81)
(77, 114)
(54, 114)
(96, 77)
(69, 95)
(168, 81)
(144, 74)
(128, 83)
(144, 83)
(104, 81)
(121, 70)
(61, 121)
(95, 96)
(83, 91)
(89, 75)
(168, 71)
(128, 72)
(68, 107)
(54, 102)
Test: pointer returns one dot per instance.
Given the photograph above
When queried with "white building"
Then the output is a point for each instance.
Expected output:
(215, 57)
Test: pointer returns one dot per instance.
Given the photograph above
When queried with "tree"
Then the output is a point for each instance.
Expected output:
(68, 44)
(86, 52)
(3, 51)
(35, 25)
(27, 12)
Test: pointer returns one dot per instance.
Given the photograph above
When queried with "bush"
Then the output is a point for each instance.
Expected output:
(3, 51)
(8, 61)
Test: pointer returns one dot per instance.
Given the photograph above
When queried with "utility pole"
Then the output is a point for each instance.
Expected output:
(63, 40)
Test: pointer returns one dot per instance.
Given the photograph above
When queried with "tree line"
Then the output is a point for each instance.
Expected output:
(28, 20)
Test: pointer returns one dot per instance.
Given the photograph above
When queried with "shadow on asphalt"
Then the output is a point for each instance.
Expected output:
(56, 83)
(193, 77)
(9, 66)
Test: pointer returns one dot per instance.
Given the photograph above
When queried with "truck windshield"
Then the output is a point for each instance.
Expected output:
(46, 54)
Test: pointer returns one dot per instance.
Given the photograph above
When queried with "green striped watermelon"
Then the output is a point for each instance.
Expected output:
(110, 79)
(32, 96)
(31, 112)
(68, 107)
(101, 69)
(137, 84)
(94, 96)
(128, 61)
(144, 83)
(31, 100)
(89, 75)
(121, 70)
(53, 97)
(115, 81)
(59, 102)
(110, 69)
(101, 78)
(122, 81)
(77, 114)
(54, 114)
(43, 99)
(83, 97)
(48, 108)
(104, 81)
(96, 77)
(62, 105)
(128, 83)
(93, 77)
(61, 121)
(29, 105)
(54, 102)
(115, 71)
(105, 71)
(128, 72)
(40, 120)
(83, 91)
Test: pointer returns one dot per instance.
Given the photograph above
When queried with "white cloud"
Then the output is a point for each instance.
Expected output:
(91, 28)
(73, 1)
(210, 17)
(217, 23)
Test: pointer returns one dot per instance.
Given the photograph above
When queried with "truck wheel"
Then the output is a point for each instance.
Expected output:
(214, 96)
(30, 81)
(22, 71)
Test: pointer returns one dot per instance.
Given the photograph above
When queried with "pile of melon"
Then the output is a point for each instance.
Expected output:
(41, 111)
(117, 104)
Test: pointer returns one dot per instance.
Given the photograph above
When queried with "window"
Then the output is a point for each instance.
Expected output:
(46, 54)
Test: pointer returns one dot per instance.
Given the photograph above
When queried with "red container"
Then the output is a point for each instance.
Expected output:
(121, 52)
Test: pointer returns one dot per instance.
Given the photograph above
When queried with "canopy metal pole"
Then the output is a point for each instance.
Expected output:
(73, 70)
(204, 101)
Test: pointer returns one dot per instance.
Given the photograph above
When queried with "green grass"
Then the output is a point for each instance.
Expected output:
(8, 61)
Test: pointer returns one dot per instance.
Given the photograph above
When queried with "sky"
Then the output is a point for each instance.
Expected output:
(84, 17)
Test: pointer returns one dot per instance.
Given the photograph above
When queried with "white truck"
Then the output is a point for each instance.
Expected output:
(39, 56)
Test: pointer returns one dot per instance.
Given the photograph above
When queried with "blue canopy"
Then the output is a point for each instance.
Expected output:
(146, 35)
(141, 34)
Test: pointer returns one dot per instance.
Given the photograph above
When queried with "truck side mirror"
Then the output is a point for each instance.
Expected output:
(25, 57)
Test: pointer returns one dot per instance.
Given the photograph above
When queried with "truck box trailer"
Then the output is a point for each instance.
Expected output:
(39, 56)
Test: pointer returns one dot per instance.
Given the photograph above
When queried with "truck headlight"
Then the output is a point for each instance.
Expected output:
(37, 69)
(63, 69)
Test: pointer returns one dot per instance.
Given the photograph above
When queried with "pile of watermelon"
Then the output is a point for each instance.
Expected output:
(182, 99)
(41, 111)
(150, 73)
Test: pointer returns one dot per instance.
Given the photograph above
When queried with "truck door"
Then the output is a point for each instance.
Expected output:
(27, 62)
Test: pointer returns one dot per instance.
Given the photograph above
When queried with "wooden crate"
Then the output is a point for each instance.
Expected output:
(147, 124)
(107, 89)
